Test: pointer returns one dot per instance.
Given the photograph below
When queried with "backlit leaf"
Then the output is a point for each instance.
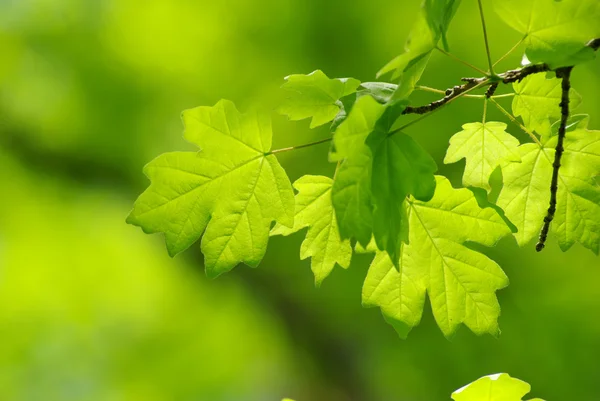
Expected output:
(526, 192)
(537, 100)
(228, 193)
(498, 387)
(556, 32)
(461, 282)
(484, 146)
(315, 211)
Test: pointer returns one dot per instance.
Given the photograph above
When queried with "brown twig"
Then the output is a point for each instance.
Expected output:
(565, 75)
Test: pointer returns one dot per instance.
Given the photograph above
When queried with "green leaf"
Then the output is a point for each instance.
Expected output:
(228, 193)
(556, 32)
(526, 192)
(439, 14)
(461, 282)
(431, 26)
(315, 211)
(351, 191)
(537, 100)
(351, 195)
(315, 95)
(401, 167)
(498, 387)
(350, 136)
(484, 146)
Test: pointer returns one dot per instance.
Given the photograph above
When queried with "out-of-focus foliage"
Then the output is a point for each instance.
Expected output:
(92, 310)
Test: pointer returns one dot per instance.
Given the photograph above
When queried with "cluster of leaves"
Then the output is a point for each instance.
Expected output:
(497, 387)
(385, 197)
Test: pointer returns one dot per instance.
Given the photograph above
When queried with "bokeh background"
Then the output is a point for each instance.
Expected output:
(93, 309)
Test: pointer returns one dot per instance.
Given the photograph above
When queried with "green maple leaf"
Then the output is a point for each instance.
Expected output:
(401, 168)
(228, 193)
(498, 387)
(556, 32)
(526, 191)
(351, 197)
(431, 26)
(351, 192)
(461, 282)
(315, 211)
(537, 100)
(485, 146)
(315, 95)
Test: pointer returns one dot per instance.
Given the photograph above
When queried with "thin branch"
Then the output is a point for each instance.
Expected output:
(306, 145)
(469, 96)
(512, 49)
(565, 74)
(485, 38)
(452, 94)
(515, 121)
(452, 56)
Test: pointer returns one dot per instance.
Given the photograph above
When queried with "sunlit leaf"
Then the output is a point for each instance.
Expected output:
(556, 32)
(526, 192)
(315, 211)
(484, 146)
(537, 100)
(229, 198)
(461, 282)
(498, 387)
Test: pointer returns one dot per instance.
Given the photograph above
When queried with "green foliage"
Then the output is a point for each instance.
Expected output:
(384, 194)
(485, 146)
(431, 26)
(315, 95)
(555, 31)
(536, 100)
(525, 195)
(233, 195)
(498, 387)
(315, 211)
(460, 281)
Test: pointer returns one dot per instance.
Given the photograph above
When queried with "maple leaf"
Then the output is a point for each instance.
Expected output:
(525, 194)
(314, 210)
(485, 146)
(315, 95)
(460, 281)
(537, 100)
(227, 198)
(498, 387)
(556, 32)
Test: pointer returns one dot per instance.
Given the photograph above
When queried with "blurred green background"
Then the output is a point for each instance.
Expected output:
(92, 309)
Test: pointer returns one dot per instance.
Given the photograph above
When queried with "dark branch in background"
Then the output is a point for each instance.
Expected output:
(565, 75)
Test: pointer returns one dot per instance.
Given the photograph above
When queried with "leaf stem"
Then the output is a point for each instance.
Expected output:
(485, 38)
(485, 102)
(515, 121)
(306, 145)
(512, 49)
(452, 56)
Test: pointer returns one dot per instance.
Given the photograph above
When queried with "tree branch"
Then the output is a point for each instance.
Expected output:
(565, 75)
